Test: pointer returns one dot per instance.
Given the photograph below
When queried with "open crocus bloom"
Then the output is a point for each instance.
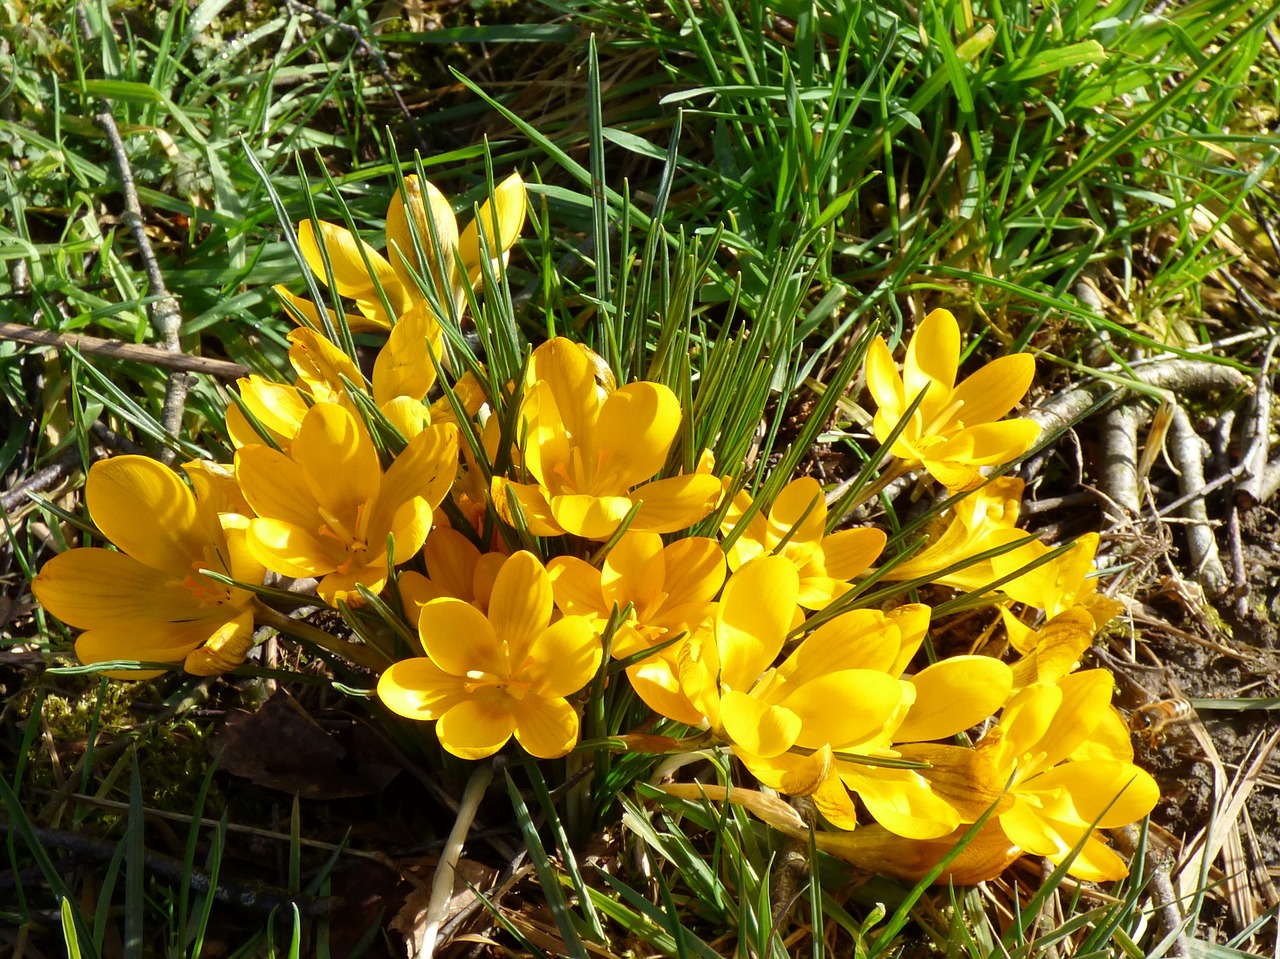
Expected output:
(327, 509)
(671, 591)
(936, 703)
(150, 602)
(359, 270)
(488, 677)
(591, 453)
(953, 431)
(1070, 764)
(794, 527)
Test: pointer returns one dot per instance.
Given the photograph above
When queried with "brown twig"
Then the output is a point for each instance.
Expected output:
(163, 310)
(1119, 479)
(137, 352)
(1186, 450)
(1255, 440)
(44, 480)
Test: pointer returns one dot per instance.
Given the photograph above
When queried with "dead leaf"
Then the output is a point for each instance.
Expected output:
(281, 747)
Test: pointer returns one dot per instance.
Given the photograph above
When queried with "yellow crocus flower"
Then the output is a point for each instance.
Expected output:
(359, 270)
(488, 677)
(327, 508)
(149, 601)
(671, 590)
(953, 432)
(795, 527)
(1070, 767)
(591, 453)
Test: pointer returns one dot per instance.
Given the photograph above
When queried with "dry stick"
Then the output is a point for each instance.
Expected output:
(1255, 438)
(257, 896)
(163, 310)
(1171, 923)
(1119, 479)
(46, 479)
(138, 352)
(1186, 450)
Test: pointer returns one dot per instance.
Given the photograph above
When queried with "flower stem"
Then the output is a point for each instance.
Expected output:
(442, 884)
(356, 653)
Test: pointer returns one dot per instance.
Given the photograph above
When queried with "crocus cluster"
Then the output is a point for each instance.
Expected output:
(737, 621)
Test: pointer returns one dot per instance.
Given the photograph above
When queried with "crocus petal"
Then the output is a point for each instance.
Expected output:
(293, 550)
(1025, 827)
(460, 639)
(356, 322)
(858, 639)
(987, 444)
(562, 658)
(575, 584)
(1026, 719)
(658, 686)
(145, 509)
(753, 619)
(1055, 649)
(147, 642)
(535, 511)
(1106, 794)
(479, 725)
(570, 377)
(354, 275)
(634, 432)
(954, 694)
(866, 701)
(548, 445)
(521, 605)
(279, 408)
(338, 460)
(321, 365)
(695, 570)
(425, 469)
(451, 562)
(546, 728)
(756, 726)
(409, 416)
(224, 650)
(419, 689)
(963, 778)
(912, 620)
(994, 390)
(900, 800)
(403, 366)
(930, 364)
(91, 587)
(885, 384)
(502, 219)
(437, 230)
(635, 571)
(851, 551)
(670, 505)
(275, 486)
(799, 512)
(409, 528)
(591, 517)
(1086, 697)
(1096, 862)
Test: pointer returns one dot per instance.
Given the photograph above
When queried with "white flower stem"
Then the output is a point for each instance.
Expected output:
(442, 885)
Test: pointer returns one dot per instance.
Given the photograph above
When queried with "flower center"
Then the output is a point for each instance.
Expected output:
(479, 679)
